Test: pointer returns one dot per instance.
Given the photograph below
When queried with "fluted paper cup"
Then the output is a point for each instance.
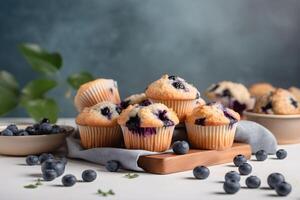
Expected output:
(211, 137)
(96, 93)
(181, 107)
(158, 142)
(93, 137)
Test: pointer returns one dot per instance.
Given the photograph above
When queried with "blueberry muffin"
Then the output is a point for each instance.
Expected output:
(148, 127)
(280, 102)
(140, 99)
(296, 92)
(96, 91)
(175, 93)
(98, 125)
(211, 126)
(233, 95)
(259, 89)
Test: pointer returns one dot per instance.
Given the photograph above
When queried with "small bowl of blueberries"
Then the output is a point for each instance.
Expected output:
(26, 139)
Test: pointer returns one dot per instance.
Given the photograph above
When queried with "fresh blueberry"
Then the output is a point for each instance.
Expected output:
(30, 130)
(178, 85)
(22, 133)
(232, 175)
(89, 175)
(32, 160)
(261, 155)
(13, 128)
(201, 172)
(245, 169)
(68, 180)
(180, 147)
(56, 165)
(112, 165)
(45, 156)
(45, 120)
(45, 128)
(281, 154)
(239, 160)
(49, 175)
(7, 132)
(283, 189)
(231, 186)
(275, 179)
(253, 182)
(55, 129)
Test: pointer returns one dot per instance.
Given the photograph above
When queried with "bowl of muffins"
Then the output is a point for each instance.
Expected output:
(278, 110)
(148, 120)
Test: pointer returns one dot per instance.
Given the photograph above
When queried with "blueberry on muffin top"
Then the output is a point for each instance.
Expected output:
(213, 114)
(280, 102)
(232, 95)
(136, 118)
(140, 99)
(102, 114)
(172, 87)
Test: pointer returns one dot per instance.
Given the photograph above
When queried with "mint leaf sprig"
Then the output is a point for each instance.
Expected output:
(104, 194)
(131, 175)
(35, 185)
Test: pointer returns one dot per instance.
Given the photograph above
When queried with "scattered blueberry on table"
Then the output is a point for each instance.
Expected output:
(245, 169)
(112, 166)
(231, 186)
(283, 189)
(275, 179)
(68, 180)
(45, 156)
(239, 160)
(89, 175)
(49, 175)
(180, 147)
(201, 172)
(281, 154)
(232, 175)
(253, 182)
(32, 160)
(261, 155)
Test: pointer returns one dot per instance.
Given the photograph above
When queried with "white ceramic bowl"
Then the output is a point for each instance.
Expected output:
(286, 128)
(32, 144)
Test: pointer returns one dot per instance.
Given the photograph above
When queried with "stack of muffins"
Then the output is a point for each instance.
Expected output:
(146, 121)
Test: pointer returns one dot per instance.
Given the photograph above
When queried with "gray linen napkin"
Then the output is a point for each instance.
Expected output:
(247, 132)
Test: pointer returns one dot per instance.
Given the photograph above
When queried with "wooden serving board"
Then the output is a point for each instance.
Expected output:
(168, 163)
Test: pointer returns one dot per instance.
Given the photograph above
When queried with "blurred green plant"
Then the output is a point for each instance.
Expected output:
(33, 95)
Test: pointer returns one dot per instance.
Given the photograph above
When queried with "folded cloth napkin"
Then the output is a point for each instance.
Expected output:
(256, 135)
(247, 132)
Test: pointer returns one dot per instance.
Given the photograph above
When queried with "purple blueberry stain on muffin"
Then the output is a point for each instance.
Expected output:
(198, 95)
(119, 109)
(178, 85)
(162, 115)
(106, 112)
(267, 107)
(200, 121)
(294, 102)
(133, 125)
(111, 90)
(125, 104)
(238, 107)
(172, 77)
(145, 102)
(226, 93)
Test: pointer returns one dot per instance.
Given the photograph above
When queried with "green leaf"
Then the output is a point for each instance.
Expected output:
(30, 186)
(104, 194)
(8, 100)
(37, 88)
(131, 175)
(8, 81)
(42, 108)
(41, 60)
(77, 79)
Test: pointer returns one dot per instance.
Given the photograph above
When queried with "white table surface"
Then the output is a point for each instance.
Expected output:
(14, 174)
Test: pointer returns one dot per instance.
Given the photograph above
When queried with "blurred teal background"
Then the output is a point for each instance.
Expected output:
(136, 41)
